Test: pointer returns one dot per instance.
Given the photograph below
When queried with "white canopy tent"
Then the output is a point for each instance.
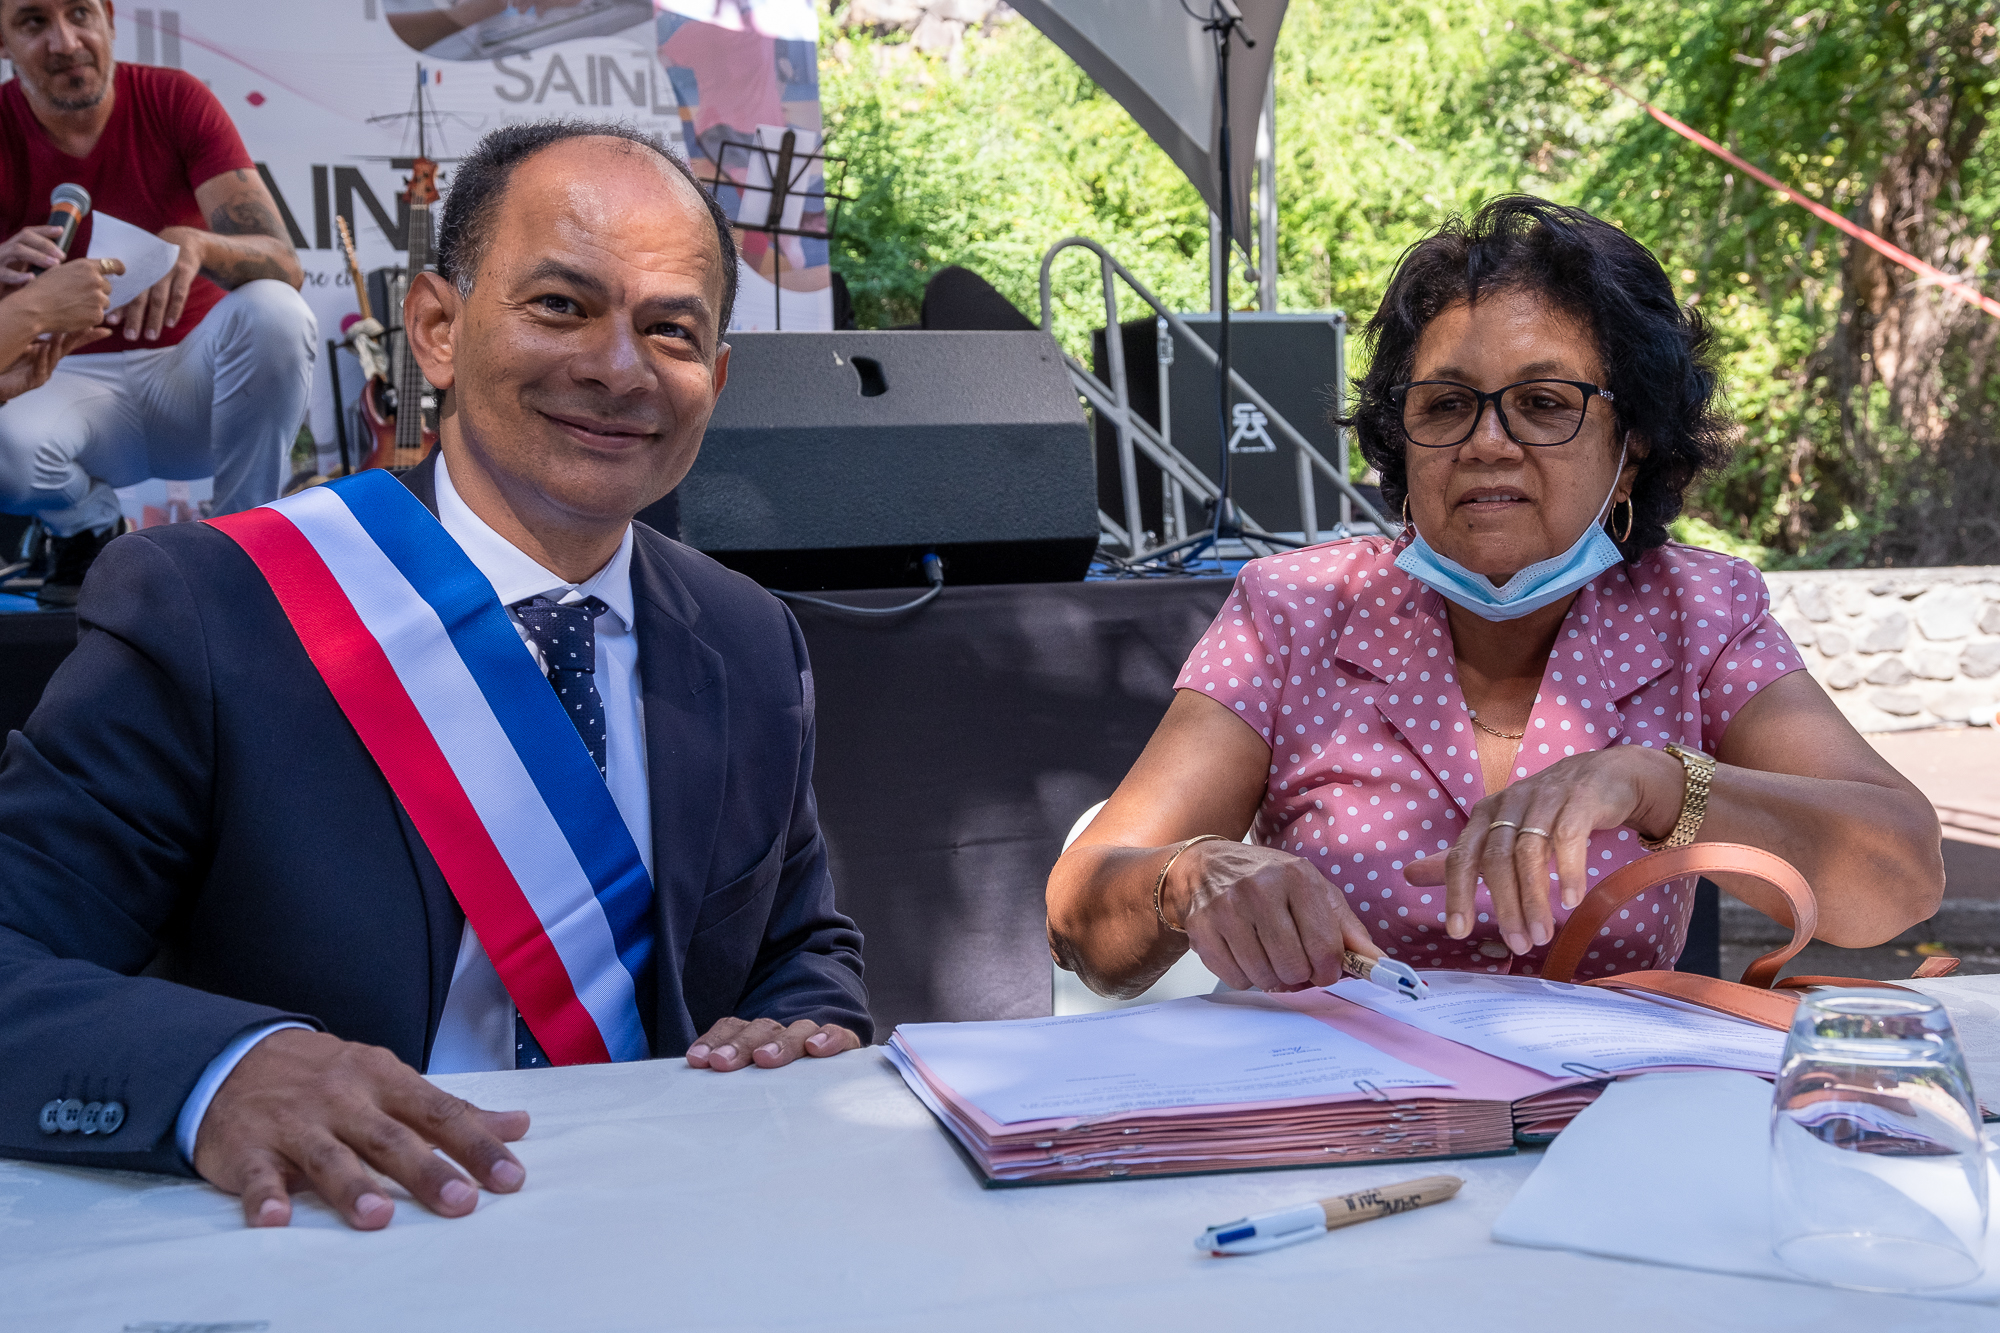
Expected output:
(1155, 58)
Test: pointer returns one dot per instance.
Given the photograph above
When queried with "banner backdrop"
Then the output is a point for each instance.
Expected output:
(323, 92)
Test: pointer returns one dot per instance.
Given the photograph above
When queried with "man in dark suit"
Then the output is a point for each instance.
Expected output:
(190, 803)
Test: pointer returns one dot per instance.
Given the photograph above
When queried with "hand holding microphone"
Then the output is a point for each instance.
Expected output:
(34, 249)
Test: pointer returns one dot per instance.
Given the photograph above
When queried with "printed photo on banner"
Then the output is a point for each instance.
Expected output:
(324, 95)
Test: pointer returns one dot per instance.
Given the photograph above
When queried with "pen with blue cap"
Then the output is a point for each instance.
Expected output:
(1387, 973)
(1252, 1234)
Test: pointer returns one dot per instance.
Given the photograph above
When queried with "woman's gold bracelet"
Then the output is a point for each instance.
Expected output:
(1160, 884)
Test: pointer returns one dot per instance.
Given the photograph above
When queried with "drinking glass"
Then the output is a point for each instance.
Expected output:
(1878, 1164)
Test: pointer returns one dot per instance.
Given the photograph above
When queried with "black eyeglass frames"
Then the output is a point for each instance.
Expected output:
(1441, 414)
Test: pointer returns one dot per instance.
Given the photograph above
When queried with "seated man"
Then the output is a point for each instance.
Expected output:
(198, 383)
(305, 769)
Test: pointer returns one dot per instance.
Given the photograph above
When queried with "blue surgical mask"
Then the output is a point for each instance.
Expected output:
(1530, 590)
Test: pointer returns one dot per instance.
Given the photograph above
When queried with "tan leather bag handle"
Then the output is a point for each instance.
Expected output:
(1777, 890)
(1774, 888)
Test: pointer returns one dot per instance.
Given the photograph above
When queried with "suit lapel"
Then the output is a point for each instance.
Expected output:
(687, 725)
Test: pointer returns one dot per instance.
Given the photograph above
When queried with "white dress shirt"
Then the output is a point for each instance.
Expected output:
(476, 1030)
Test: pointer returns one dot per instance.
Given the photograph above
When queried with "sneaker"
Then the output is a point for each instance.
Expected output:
(70, 559)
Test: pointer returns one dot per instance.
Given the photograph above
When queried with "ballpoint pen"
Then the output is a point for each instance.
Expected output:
(1387, 973)
(1252, 1234)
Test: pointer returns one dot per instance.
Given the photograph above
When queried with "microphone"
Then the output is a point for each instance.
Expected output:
(68, 206)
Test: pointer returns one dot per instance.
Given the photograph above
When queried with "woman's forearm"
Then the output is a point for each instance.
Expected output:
(18, 331)
(1101, 923)
(1871, 852)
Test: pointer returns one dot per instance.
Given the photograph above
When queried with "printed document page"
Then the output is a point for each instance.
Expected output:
(1189, 1052)
(1572, 1030)
(147, 257)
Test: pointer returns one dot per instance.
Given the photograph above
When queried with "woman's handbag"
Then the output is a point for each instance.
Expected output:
(1769, 884)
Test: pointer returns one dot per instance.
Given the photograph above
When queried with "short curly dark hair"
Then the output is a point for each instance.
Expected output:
(1657, 353)
(480, 180)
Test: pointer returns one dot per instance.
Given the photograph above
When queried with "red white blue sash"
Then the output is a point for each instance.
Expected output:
(422, 658)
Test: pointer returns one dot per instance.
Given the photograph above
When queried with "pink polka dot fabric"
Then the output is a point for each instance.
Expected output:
(1343, 664)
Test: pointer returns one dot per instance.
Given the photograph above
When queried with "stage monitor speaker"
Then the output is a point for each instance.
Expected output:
(835, 460)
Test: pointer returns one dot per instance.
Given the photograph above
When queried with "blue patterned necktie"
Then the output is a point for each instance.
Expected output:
(567, 638)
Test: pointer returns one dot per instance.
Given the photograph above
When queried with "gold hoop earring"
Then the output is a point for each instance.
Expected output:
(1406, 509)
(1630, 513)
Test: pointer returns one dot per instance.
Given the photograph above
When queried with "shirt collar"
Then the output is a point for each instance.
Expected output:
(515, 574)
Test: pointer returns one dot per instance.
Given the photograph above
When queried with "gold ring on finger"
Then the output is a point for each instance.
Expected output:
(1538, 832)
(1503, 823)
(104, 266)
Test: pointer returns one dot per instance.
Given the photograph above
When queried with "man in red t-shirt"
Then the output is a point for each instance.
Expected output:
(210, 369)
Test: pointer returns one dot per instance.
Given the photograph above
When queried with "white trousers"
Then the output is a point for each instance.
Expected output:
(226, 401)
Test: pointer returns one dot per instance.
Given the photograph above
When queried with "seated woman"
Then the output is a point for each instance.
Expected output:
(1445, 739)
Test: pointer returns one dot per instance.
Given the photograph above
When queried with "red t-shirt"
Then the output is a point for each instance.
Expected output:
(167, 134)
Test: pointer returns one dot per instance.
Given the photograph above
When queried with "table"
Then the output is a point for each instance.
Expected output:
(823, 1196)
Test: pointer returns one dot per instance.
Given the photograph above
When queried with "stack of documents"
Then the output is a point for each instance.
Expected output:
(1348, 1074)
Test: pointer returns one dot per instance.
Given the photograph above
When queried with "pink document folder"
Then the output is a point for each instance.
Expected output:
(1485, 1105)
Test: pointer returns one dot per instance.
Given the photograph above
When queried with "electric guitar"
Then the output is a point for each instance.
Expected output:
(414, 436)
(378, 396)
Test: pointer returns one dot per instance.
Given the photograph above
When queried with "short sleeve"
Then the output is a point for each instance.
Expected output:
(1756, 654)
(1233, 663)
(207, 137)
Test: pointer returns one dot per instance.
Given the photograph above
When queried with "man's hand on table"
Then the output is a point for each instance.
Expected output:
(308, 1110)
(734, 1043)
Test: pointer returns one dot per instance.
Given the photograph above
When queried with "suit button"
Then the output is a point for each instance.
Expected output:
(91, 1111)
(49, 1122)
(111, 1117)
(69, 1116)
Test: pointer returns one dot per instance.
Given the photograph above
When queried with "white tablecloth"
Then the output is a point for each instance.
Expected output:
(824, 1197)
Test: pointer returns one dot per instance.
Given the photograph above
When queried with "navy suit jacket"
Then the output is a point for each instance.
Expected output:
(193, 842)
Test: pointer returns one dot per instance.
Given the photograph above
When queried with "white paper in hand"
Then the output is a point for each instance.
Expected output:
(147, 258)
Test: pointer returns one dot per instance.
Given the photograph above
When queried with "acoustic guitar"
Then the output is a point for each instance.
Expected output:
(414, 437)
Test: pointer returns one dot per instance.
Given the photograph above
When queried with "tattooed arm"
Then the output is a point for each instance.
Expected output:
(244, 242)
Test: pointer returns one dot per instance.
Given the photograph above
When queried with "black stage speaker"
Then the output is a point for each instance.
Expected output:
(835, 460)
(1293, 359)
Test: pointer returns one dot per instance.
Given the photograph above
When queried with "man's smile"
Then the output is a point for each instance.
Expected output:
(599, 433)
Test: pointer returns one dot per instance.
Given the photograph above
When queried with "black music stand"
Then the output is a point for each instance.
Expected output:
(788, 170)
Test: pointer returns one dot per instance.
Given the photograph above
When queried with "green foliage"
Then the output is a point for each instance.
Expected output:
(1393, 114)
(986, 163)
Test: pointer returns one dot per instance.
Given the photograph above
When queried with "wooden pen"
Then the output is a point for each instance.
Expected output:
(1252, 1234)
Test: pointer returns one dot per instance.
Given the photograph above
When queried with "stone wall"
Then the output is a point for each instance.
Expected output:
(1899, 649)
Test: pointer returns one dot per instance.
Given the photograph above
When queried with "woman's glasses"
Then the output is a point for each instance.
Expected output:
(1439, 414)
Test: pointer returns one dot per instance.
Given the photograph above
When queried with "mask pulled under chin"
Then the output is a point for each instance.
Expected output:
(1528, 591)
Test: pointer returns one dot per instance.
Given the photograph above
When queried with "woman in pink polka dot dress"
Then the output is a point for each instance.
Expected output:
(1442, 741)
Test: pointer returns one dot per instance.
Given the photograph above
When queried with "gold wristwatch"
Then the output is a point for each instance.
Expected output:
(1694, 799)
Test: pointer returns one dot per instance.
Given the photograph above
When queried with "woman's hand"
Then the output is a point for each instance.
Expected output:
(69, 298)
(1511, 836)
(31, 370)
(1261, 917)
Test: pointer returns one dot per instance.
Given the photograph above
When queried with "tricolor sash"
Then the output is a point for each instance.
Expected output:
(418, 652)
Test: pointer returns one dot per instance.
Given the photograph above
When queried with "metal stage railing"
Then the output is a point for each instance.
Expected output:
(1136, 435)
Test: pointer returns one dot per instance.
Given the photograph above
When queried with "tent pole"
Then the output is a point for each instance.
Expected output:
(1267, 197)
(1216, 261)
